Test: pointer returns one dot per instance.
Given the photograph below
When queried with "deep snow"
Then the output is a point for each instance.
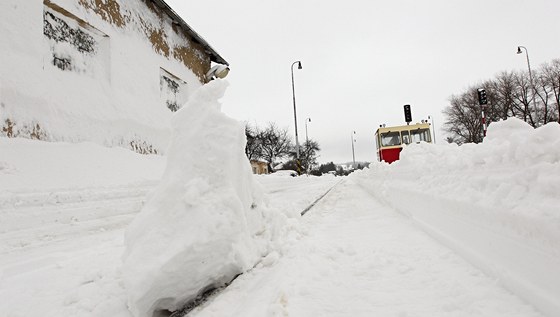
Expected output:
(63, 212)
(356, 257)
(206, 221)
(495, 203)
(446, 231)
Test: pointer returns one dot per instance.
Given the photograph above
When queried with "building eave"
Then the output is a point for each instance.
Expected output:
(214, 56)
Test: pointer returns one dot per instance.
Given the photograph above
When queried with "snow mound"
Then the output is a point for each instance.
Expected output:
(205, 223)
(496, 203)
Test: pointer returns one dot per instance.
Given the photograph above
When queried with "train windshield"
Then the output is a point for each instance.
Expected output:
(405, 137)
(390, 138)
(420, 135)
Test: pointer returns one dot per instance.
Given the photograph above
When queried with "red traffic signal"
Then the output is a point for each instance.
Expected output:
(407, 114)
(482, 100)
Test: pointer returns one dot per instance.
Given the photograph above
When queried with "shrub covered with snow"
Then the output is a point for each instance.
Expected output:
(205, 223)
(496, 202)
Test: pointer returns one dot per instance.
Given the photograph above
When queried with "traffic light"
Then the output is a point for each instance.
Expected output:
(407, 114)
(482, 97)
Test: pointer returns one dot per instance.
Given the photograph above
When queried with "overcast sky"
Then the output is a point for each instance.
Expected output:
(363, 60)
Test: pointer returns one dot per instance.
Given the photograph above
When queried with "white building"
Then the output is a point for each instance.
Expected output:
(110, 71)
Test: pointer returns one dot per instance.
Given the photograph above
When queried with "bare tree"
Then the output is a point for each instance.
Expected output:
(550, 76)
(463, 117)
(309, 151)
(522, 95)
(276, 143)
(510, 94)
(502, 90)
(253, 148)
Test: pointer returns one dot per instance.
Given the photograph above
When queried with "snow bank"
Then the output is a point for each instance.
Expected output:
(496, 203)
(205, 223)
(32, 166)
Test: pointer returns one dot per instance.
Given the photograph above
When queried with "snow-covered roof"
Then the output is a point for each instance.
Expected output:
(215, 57)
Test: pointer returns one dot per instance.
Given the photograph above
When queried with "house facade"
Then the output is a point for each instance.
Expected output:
(259, 167)
(108, 71)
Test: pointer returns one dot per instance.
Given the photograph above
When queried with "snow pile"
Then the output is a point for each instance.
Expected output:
(496, 203)
(206, 222)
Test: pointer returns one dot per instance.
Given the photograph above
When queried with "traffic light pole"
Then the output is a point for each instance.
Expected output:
(483, 123)
(482, 101)
(407, 114)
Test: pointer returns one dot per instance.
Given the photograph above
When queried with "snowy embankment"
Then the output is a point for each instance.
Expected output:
(63, 211)
(207, 221)
(495, 203)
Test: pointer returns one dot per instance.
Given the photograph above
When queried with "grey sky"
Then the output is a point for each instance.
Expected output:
(363, 60)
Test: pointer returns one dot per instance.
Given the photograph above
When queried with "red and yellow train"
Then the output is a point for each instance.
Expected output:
(390, 140)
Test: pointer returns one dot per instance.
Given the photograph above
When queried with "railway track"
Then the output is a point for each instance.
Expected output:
(211, 292)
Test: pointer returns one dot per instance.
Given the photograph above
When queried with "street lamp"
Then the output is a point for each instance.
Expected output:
(306, 138)
(519, 51)
(433, 127)
(353, 156)
(307, 146)
(295, 115)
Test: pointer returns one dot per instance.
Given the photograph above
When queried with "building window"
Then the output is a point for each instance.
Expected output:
(74, 44)
(173, 90)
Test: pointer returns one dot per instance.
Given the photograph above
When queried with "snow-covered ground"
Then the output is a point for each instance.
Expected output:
(357, 257)
(63, 211)
(446, 231)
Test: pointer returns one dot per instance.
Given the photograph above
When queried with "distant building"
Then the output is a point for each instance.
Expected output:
(110, 71)
(259, 167)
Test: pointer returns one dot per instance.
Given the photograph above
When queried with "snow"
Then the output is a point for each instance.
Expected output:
(88, 230)
(356, 257)
(495, 203)
(448, 230)
(206, 222)
(112, 97)
(64, 209)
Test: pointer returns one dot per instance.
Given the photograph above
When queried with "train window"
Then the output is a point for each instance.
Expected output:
(420, 135)
(390, 138)
(405, 137)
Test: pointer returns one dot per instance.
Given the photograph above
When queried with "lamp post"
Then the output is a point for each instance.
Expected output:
(353, 156)
(307, 146)
(519, 51)
(433, 127)
(295, 115)
(306, 138)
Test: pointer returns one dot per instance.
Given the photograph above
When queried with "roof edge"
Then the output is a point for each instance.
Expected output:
(215, 57)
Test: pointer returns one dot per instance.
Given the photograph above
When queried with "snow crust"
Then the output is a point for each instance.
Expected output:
(495, 203)
(206, 222)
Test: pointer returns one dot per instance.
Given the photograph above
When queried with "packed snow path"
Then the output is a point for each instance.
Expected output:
(360, 258)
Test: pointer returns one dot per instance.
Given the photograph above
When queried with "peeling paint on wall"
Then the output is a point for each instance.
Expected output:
(191, 54)
(159, 42)
(190, 58)
(108, 10)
